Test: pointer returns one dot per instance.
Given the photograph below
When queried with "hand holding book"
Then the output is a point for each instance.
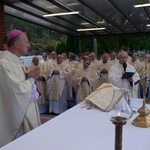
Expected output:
(127, 75)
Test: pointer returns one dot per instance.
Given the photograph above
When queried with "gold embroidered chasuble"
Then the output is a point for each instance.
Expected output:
(40, 84)
(83, 89)
(56, 83)
(44, 65)
(104, 76)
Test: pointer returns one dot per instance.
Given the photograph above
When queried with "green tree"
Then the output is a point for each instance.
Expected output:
(43, 39)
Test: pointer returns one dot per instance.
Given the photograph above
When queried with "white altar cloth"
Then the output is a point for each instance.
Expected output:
(82, 129)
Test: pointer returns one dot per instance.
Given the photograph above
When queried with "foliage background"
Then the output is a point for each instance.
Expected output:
(45, 40)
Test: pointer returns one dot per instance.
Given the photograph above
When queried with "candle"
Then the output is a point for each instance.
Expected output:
(118, 119)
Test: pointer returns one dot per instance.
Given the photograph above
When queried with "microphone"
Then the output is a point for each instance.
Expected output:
(124, 66)
(131, 83)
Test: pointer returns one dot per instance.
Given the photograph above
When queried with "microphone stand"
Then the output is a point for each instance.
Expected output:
(130, 97)
(131, 89)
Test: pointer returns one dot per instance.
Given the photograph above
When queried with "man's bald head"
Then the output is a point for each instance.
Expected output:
(122, 57)
(35, 60)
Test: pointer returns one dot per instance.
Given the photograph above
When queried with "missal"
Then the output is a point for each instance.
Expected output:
(127, 75)
(102, 97)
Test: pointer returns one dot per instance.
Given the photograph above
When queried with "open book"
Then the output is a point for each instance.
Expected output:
(102, 97)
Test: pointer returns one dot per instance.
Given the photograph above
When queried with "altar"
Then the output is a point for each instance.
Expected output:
(83, 129)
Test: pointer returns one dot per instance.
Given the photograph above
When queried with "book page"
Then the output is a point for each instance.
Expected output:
(102, 97)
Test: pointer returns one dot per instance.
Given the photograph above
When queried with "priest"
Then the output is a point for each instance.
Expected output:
(41, 84)
(58, 86)
(85, 80)
(116, 72)
(103, 68)
(18, 107)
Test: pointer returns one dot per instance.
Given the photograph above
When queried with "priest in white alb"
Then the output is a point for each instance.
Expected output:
(116, 72)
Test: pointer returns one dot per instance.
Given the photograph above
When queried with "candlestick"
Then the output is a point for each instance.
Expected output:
(118, 121)
(119, 116)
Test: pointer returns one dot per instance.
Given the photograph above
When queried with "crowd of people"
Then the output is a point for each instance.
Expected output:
(75, 77)
(25, 92)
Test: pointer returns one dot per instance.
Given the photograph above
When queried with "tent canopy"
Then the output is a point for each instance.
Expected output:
(116, 16)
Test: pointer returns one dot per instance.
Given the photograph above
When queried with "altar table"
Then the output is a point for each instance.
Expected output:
(82, 129)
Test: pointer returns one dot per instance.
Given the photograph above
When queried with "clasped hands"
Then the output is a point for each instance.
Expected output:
(34, 73)
(56, 72)
(104, 71)
(84, 79)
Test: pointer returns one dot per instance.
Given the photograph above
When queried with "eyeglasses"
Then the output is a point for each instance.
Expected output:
(135, 55)
(86, 63)
(123, 57)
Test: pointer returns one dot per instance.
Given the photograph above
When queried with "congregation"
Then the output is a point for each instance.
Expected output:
(71, 79)
(49, 85)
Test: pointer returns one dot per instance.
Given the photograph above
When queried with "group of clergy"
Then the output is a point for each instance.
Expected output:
(54, 81)
(63, 78)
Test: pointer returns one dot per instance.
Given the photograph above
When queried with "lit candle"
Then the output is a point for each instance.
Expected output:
(118, 118)
(118, 121)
